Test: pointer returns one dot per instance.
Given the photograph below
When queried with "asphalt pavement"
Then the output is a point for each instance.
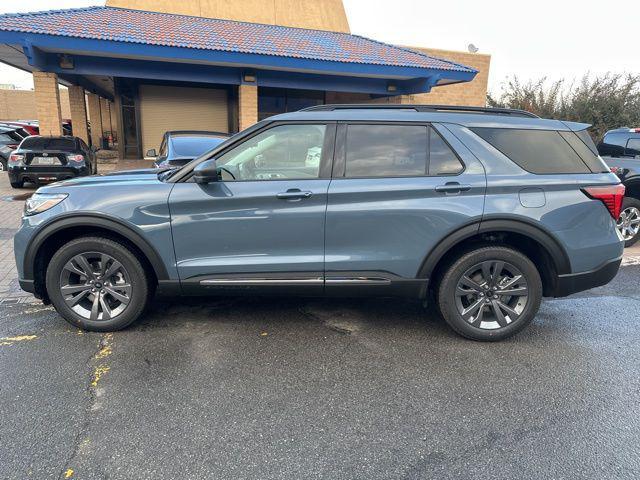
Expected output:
(331, 389)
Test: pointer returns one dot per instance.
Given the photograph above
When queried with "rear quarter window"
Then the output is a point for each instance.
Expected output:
(542, 152)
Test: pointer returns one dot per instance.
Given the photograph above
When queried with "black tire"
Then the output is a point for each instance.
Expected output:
(17, 184)
(629, 203)
(140, 290)
(450, 305)
(3, 165)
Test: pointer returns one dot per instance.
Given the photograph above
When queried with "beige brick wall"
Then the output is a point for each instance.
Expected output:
(318, 14)
(47, 95)
(78, 106)
(21, 104)
(247, 105)
(472, 93)
(95, 118)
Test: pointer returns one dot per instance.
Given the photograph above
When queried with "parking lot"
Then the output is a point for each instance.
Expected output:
(299, 388)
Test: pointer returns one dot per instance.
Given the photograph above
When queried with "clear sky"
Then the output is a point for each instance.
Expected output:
(553, 38)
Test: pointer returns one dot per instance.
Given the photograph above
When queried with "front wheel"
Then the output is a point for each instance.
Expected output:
(97, 284)
(490, 293)
(629, 221)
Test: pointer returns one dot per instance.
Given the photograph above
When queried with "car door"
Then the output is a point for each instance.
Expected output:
(398, 190)
(263, 222)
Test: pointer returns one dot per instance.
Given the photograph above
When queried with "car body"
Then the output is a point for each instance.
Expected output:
(29, 127)
(10, 138)
(620, 149)
(411, 201)
(40, 159)
(180, 147)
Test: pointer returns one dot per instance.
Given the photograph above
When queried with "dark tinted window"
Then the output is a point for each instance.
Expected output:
(582, 145)
(536, 151)
(4, 138)
(193, 147)
(613, 144)
(11, 136)
(442, 160)
(633, 147)
(46, 143)
(386, 150)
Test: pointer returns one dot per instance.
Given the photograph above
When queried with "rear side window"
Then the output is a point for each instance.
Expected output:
(583, 145)
(633, 147)
(536, 151)
(397, 151)
(613, 144)
(47, 143)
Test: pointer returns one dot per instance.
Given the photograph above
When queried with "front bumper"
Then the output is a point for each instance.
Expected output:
(578, 282)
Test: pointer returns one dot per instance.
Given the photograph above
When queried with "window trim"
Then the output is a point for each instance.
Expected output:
(326, 160)
(340, 160)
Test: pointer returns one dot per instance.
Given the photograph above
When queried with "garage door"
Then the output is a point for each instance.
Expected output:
(176, 108)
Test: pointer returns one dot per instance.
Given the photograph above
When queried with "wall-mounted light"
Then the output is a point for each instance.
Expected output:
(65, 61)
(249, 78)
(392, 88)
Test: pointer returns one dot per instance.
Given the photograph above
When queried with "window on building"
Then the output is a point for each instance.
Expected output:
(536, 151)
(282, 152)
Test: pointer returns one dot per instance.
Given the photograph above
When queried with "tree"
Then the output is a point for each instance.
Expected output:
(606, 102)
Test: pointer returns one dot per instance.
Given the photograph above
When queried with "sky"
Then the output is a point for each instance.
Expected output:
(544, 38)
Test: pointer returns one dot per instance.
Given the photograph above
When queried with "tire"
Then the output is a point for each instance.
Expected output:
(484, 324)
(3, 165)
(121, 297)
(17, 184)
(629, 222)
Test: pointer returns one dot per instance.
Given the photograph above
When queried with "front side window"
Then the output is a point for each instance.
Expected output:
(398, 151)
(282, 152)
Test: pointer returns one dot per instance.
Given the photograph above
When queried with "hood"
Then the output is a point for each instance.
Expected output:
(131, 178)
(138, 171)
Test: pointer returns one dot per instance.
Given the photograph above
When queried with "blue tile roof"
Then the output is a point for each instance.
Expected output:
(169, 30)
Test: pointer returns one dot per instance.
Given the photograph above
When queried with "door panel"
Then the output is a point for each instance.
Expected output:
(390, 224)
(243, 227)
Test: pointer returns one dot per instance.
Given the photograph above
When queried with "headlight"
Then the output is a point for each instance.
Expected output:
(41, 202)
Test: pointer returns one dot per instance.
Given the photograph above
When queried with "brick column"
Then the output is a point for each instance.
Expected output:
(96, 119)
(247, 106)
(78, 107)
(47, 95)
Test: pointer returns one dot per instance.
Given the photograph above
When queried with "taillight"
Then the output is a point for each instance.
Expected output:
(610, 195)
(15, 159)
(75, 159)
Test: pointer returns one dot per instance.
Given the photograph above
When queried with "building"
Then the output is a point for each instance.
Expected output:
(141, 67)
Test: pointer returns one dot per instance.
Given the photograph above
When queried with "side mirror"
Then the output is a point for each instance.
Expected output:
(152, 153)
(206, 172)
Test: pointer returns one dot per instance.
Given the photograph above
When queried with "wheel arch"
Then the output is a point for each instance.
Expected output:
(632, 186)
(550, 257)
(53, 235)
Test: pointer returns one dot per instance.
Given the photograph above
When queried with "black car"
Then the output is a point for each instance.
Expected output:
(48, 159)
(620, 149)
(10, 138)
(180, 147)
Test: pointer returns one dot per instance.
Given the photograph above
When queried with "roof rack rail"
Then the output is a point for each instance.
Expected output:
(421, 108)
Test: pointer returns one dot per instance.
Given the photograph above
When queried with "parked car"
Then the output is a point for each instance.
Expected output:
(484, 210)
(180, 147)
(10, 138)
(29, 127)
(620, 149)
(48, 159)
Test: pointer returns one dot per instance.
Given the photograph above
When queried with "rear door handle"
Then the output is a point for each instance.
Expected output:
(293, 194)
(453, 187)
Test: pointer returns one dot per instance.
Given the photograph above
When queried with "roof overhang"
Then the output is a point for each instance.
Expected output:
(135, 60)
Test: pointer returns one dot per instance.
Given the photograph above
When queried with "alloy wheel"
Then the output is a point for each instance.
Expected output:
(491, 295)
(96, 286)
(629, 223)
(1, 167)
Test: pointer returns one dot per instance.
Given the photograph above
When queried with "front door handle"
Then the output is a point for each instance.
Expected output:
(452, 187)
(293, 194)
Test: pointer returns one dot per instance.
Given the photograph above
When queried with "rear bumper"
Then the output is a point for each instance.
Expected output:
(45, 175)
(577, 282)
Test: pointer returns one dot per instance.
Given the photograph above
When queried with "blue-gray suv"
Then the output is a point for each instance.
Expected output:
(483, 211)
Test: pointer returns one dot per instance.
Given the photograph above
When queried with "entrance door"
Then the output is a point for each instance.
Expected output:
(263, 222)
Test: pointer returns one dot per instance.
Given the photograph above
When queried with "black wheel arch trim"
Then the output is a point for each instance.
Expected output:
(91, 220)
(498, 224)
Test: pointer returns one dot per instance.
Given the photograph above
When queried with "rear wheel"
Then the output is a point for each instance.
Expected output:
(19, 184)
(97, 284)
(490, 293)
(3, 165)
(629, 221)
